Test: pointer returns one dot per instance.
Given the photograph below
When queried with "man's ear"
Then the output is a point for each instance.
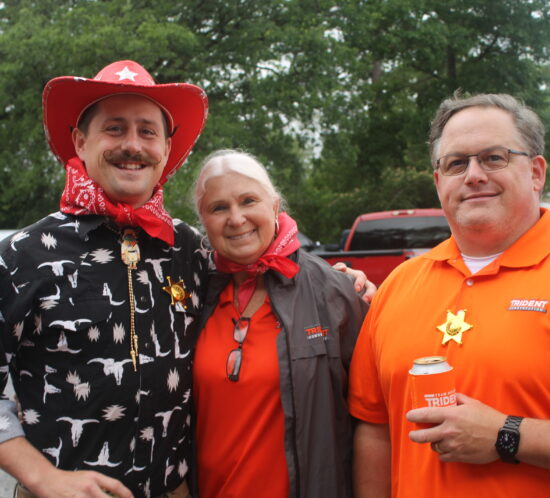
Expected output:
(436, 177)
(538, 172)
(79, 141)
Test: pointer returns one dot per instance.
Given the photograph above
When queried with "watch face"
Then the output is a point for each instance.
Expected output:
(508, 440)
(507, 444)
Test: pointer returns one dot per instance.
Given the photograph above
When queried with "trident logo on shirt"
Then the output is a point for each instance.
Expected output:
(316, 331)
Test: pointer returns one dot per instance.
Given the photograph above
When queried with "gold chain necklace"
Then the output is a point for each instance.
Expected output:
(129, 253)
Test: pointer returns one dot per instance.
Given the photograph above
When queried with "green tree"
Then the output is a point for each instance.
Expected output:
(403, 58)
(335, 97)
(43, 39)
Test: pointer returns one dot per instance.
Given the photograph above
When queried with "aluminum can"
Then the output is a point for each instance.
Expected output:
(432, 382)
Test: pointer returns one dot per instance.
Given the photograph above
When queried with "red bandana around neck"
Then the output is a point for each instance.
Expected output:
(274, 258)
(83, 196)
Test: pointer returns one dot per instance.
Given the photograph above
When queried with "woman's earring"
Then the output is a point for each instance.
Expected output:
(205, 248)
(276, 226)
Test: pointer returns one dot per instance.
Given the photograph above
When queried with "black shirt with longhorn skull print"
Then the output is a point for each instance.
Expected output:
(69, 306)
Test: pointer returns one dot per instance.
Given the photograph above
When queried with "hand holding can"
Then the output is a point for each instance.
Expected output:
(432, 382)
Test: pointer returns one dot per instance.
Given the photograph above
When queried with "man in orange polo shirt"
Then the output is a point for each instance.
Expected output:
(481, 300)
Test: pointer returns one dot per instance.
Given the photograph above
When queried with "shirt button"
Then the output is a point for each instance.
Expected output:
(143, 299)
(469, 282)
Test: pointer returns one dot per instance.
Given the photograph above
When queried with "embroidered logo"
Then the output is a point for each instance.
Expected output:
(528, 305)
(315, 332)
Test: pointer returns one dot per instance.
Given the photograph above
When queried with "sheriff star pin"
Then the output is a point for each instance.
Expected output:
(454, 327)
(177, 292)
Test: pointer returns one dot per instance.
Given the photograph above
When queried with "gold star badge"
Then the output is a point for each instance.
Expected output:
(454, 327)
(177, 292)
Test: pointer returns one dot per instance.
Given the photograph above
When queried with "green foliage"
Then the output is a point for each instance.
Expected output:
(334, 97)
(403, 58)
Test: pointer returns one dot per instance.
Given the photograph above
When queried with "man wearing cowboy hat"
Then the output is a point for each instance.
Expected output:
(98, 301)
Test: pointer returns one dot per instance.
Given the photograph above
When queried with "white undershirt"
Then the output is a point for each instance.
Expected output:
(475, 264)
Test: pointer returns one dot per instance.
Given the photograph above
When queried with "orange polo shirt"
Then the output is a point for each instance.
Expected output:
(503, 360)
(240, 425)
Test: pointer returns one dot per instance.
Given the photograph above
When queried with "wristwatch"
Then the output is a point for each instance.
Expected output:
(508, 439)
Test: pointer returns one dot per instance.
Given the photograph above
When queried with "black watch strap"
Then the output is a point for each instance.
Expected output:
(512, 423)
(507, 443)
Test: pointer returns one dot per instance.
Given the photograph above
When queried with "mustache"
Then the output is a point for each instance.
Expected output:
(117, 156)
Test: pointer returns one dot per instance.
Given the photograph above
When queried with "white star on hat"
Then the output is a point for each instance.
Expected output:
(126, 74)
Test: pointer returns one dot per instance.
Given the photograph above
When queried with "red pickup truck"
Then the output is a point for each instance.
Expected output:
(378, 242)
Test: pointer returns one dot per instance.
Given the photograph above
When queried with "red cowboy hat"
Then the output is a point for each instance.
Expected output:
(65, 98)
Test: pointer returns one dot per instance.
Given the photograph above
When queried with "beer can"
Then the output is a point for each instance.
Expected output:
(432, 382)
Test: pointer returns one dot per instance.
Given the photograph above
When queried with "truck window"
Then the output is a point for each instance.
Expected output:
(410, 232)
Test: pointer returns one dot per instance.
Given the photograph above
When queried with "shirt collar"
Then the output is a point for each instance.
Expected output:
(83, 225)
(227, 295)
(530, 249)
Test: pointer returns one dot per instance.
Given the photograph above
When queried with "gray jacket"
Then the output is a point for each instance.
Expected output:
(320, 314)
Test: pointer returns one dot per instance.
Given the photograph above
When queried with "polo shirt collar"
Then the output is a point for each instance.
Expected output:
(227, 298)
(444, 251)
(530, 249)
(227, 295)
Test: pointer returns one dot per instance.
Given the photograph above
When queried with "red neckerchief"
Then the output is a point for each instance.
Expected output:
(274, 258)
(83, 196)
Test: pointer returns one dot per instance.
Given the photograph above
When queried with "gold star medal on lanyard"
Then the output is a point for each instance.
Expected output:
(454, 327)
(177, 293)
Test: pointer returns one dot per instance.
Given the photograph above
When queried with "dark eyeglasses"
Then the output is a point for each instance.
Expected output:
(235, 358)
(489, 159)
